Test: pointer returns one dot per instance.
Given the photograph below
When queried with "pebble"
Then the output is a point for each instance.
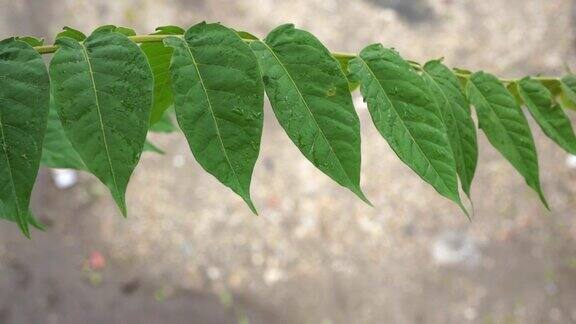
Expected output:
(455, 248)
(64, 178)
(178, 161)
(571, 161)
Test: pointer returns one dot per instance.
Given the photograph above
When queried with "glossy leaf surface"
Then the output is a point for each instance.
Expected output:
(311, 100)
(218, 97)
(24, 104)
(455, 111)
(103, 89)
(159, 56)
(404, 111)
(549, 115)
(505, 126)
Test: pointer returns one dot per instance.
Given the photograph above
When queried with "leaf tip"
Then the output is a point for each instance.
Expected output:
(36, 223)
(544, 201)
(124, 211)
(362, 196)
(464, 210)
(121, 203)
(23, 225)
(250, 204)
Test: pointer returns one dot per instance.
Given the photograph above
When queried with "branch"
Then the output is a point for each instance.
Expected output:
(48, 49)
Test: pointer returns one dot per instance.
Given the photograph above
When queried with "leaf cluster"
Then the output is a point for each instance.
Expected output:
(101, 94)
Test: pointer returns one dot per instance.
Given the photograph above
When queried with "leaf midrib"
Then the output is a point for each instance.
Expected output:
(459, 137)
(240, 186)
(499, 121)
(402, 121)
(13, 185)
(98, 110)
(543, 119)
(21, 221)
(310, 112)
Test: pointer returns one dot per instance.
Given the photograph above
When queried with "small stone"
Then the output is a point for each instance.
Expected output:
(359, 103)
(64, 178)
(178, 161)
(571, 161)
(96, 261)
(454, 248)
(213, 273)
(273, 275)
(470, 313)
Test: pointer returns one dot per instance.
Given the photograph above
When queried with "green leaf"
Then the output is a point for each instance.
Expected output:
(31, 40)
(406, 115)
(550, 116)
(505, 125)
(24, 104)
(118, 29)
(169, 30)
(125, 31)
(165, 124)
(568, 84)
(57, 151)
(568, 91)
(513, 89)
(103, 90)
(553, 85)
(344, 61)
(218, 97)
(455, 112)
(150, 147)
(159, 56)
(310, 98)
(246, 35)
(72, 33)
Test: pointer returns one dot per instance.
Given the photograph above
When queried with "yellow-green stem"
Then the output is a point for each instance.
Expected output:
(47, 49)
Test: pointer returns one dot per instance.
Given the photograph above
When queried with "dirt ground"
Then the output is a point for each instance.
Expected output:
(191, 252)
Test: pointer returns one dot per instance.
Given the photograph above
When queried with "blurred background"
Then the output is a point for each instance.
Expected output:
(191, 251)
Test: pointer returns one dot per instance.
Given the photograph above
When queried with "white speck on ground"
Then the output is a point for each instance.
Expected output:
(455, 248)
(571, 161)
(64, 178)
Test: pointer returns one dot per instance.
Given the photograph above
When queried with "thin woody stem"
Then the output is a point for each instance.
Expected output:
(47, 49)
